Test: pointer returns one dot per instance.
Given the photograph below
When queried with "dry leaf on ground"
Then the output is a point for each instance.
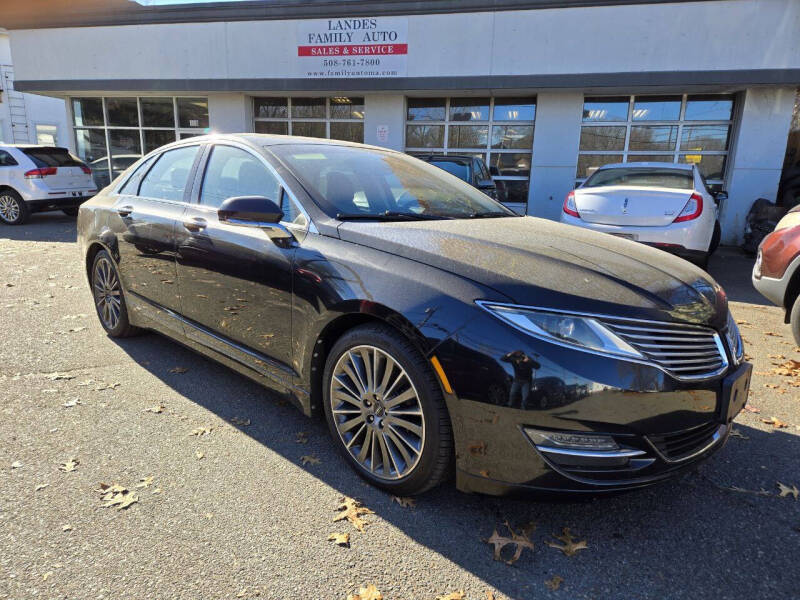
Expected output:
(772, 334)
(71, 403)
(69, 466)
(366, 593)
(301, 437)
(201, 431)
(309, 460)
(157, 409)
(342, 539)
(145, 482)
(521, 540)
(41, 486)
(785, 490)
(752, 409)
(178, 370)
(404, 502)
(452, 596)
(107, 386)
(775, 422)
(17, 464)
(66, 527)
(569, 547)
(739, 434)
(554, 582)
(117, 496)
(60, 376)
(198, 455)
(352, 510)
(241, 422)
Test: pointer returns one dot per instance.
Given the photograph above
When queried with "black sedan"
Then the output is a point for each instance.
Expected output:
(436, 330)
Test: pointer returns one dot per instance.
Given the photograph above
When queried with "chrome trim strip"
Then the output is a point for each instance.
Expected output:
(718, 435)
(591, 453)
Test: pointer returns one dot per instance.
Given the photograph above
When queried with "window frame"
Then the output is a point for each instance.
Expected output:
(290, 120)
(676, 152)
(15, 162)
(190, 178)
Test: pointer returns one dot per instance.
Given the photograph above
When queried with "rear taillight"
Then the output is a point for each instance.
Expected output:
(692, 209)
(569, 205)
(86, 169)
(39, 173)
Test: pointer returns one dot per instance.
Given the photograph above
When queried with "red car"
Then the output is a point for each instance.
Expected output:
(776, 273)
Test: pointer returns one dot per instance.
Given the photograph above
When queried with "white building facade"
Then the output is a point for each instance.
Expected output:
(544, 91)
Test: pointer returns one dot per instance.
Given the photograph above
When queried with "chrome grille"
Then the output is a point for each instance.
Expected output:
(680, 445)
(685, 351)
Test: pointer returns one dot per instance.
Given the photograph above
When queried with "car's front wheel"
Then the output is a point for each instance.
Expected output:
(794, 320)
(13, 210)
(109, 299)
(385, 410)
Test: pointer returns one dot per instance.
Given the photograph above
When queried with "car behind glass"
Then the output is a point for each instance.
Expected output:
(435, 330)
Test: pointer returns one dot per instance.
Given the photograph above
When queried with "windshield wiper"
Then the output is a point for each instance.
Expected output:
(389, 215)
(490, 214)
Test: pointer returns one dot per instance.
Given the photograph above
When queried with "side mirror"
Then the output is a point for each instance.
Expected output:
(252, 211)
(720, 196)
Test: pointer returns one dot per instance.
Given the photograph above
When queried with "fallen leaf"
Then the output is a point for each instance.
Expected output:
(66, 528)
(145, 482)
(60, 376)
(569, 547)
(366, 593)
(41, 486)
(107, 386)
(785, 490)
(201, 431)
(301, 437)
(772, 334)
(490, 595)
(352, 510)
(775, 422)
(76, 329)
(309, 460)
(752, 409)
(771, 386)
(198, 455)
(117, 496)
(178, 370)
(404, 502)
(477, 448)
(452, 596)
(554, 582)
(521, 540)
(739, 434)
(157, 409)
(17, 464)
(241, 422)
(46, 575)
(342, 539)
(71, 403)
(69, 466)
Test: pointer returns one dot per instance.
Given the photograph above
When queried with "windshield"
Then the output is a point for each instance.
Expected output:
(642, 177)
(354, 182)
(51, 157)
(459, 169)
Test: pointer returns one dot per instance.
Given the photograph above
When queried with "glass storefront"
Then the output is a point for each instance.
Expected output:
(498, 130)
(112, 133)
(687, 128)
(338, 118)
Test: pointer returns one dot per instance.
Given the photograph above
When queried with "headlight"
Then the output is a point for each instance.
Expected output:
(581, 332)
(735, 342)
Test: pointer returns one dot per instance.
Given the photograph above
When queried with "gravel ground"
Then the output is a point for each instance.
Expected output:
(234, 514)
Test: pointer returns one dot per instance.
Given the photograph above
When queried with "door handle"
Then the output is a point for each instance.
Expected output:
(195, 224)
(124, 211)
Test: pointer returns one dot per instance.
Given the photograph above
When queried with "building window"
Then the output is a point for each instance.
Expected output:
(337, 118)
(46, 135)
(688, 128)
(497, 130)
(113, 133)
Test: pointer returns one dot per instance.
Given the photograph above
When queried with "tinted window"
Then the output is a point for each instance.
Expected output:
(167, 179)
(667, 178)
(51, 157)
(235, 172)
(6, 160)
(291, 211)
(458, 168)
(132, 185)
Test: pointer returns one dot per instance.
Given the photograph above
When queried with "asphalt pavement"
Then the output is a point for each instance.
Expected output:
(232, 511)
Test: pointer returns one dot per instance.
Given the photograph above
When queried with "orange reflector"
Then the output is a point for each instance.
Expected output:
(440, 372)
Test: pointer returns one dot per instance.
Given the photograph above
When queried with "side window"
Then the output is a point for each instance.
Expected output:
(291, 211)
(235, 172)
(167, 179)
(6, 160)
(132, 185)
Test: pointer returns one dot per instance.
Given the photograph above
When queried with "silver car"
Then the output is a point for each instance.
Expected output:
(41, 178)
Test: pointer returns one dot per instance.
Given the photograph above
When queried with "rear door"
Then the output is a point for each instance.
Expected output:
(70, 173)
(635, 197)
(148, 209)
(236, 283)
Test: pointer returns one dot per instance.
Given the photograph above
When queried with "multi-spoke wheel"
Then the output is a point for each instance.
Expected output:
(386, 410)
(13, 210)
(108, 297)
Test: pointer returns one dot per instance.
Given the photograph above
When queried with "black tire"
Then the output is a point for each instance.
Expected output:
(121, 326)
(70, 212)
(16, 204)
(435, 459)
(794, 320)
(715, 239)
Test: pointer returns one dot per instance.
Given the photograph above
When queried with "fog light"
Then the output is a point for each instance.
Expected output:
(573, 441)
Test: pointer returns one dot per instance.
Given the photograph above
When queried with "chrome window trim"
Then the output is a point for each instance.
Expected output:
(486, 304)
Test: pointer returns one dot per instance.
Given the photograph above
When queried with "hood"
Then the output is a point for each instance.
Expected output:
(543, 263)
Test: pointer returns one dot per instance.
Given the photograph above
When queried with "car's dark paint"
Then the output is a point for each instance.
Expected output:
(272, 311)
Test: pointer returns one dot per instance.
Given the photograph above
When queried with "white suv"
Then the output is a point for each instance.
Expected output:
(39, 178)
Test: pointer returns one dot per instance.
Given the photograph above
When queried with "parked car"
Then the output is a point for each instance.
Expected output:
(371, 287)
(665, 205)
(41, 178)
(467, 168)
(776, 273)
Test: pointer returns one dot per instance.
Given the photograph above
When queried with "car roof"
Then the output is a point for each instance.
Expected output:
(656, 165)
(4, 145)
(269, 139)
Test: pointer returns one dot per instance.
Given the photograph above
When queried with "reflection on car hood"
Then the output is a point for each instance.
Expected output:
(542, 263)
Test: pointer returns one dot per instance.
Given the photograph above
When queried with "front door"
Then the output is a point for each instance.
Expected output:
(235, 281)
(149, 208)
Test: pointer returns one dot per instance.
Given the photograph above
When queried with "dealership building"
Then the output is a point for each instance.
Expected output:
(543, 90)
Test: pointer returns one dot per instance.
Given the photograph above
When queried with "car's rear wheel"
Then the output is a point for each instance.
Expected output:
(109, 299)
(70, 212)
(385, 410)
(13, 209)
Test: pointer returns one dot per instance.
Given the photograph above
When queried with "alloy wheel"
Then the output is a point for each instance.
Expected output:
(107, 293)
(377, 412)
(9, 208)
